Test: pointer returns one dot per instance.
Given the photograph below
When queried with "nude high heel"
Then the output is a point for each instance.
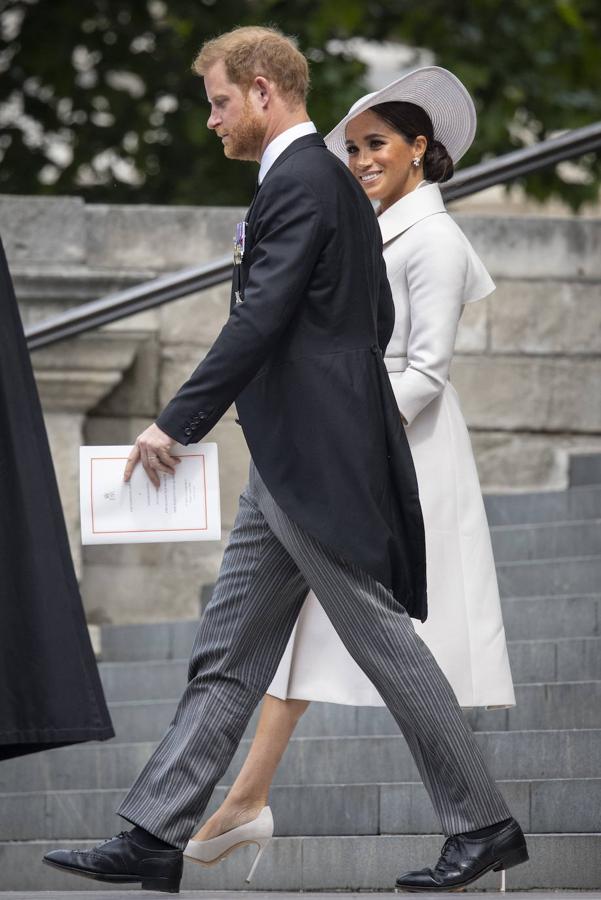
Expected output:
(259, 831)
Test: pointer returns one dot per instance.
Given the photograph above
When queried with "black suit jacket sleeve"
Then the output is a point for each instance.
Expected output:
(288, 236)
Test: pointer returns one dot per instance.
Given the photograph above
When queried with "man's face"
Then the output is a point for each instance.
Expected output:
(234, 116)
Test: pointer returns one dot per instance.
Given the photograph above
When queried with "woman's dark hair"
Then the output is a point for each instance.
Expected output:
(410, 121)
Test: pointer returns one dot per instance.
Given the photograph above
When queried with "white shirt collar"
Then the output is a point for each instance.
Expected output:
(279, 144)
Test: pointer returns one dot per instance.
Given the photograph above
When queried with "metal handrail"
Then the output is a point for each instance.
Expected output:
(169, 287)
(520, 162)
(129, 301)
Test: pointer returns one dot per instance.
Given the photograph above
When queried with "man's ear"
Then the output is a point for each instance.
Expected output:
(263, 90)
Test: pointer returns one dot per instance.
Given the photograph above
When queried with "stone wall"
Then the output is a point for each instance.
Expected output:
(527, 369)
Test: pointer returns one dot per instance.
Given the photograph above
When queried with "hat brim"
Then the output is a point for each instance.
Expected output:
(438, 92)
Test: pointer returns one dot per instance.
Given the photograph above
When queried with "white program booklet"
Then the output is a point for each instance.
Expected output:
(185, 507)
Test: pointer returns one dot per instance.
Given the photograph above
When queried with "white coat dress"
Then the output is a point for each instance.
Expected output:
(433, 270)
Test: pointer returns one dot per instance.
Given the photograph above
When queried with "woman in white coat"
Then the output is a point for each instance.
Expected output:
(399, 142)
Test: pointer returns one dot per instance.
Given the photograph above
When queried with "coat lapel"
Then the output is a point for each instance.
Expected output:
(419, 204)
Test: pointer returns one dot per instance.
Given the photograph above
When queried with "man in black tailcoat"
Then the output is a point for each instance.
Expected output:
(332, 501)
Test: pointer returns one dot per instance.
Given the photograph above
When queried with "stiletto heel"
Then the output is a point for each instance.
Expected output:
(261, 846)
(502, 888)
(259, 831)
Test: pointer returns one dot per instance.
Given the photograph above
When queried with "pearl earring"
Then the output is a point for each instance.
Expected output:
(416, 161)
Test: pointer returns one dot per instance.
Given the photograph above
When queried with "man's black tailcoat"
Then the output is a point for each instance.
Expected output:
(50, 691)
(302, 356)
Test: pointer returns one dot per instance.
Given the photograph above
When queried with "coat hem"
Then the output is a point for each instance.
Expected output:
(55, 735)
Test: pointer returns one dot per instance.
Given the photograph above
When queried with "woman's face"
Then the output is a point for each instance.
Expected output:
(381, 159)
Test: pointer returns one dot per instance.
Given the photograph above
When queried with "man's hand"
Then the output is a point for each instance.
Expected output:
(153, 448)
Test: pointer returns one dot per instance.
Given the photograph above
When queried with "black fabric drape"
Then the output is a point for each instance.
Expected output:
(50, 690)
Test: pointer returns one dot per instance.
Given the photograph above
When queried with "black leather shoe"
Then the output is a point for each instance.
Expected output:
(121, 860)
(464, 859)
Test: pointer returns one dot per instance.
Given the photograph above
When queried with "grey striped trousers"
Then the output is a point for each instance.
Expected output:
(268, 566)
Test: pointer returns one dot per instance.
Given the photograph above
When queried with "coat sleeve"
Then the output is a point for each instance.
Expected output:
(288, 237)
(435, 273)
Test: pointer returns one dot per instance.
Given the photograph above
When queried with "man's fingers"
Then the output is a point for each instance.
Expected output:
(167, 460)
(155, 459)
(149, 467)
(132, 461)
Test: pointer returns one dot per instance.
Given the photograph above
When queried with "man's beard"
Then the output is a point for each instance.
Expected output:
(246, 138)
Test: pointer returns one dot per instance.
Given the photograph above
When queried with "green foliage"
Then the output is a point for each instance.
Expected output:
(97, 97)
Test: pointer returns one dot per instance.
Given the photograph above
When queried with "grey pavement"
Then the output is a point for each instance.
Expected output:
(283, 895)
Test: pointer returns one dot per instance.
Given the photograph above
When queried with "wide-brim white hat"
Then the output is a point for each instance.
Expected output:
(438, 92)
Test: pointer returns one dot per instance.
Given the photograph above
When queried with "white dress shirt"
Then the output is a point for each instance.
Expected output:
(279, 144)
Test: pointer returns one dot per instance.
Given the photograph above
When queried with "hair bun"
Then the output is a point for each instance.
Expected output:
(438, 165)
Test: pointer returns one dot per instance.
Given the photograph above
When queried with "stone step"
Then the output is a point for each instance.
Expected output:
(554, 805)
(584, 468)
(571, 861)
(538, 706)
(310, 760)
(116, 894)
(559, 615)
(563, 659)
(148, 640)
(549, 577)
(512, 543)
(574, 504)
(533, 618)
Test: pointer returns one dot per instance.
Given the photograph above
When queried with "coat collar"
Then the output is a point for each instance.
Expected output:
(419, 204)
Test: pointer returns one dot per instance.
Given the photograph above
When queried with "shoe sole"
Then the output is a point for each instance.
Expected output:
(515, 858)
(148, 884)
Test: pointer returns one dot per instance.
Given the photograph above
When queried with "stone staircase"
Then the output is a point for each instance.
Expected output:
(350, 811)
